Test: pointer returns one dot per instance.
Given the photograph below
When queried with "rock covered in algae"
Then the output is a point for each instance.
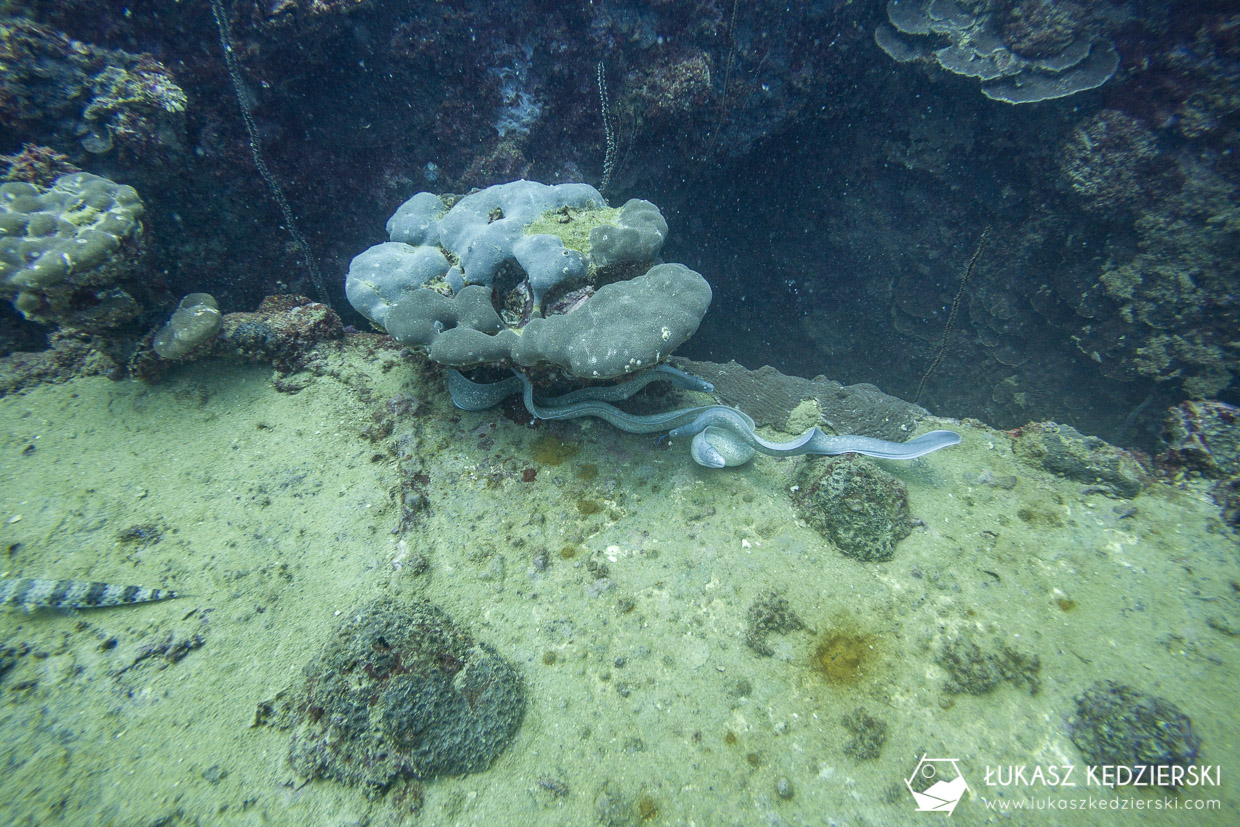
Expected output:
(196, 320)
(1204, 435)
(1064, 451)
(402, 692)
(856, 505)
(285, 330)
(1119, 726)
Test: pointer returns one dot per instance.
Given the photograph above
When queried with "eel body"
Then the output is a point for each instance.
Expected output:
(722, 436)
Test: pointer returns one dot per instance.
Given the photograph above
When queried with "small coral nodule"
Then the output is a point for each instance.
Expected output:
(196, 320)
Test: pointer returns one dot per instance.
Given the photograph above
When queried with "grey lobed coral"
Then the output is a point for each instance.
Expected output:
(196, 320)
(68, 247)
(1022, 52)
(533, 275)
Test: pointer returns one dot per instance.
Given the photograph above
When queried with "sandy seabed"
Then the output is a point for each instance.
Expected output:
(618, 580)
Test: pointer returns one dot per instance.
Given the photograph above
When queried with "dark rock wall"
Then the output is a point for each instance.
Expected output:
(832, 196)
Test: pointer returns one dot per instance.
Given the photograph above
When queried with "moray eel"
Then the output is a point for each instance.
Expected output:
(722, 436)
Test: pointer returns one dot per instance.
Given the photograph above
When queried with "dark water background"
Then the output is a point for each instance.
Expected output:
(833, 197)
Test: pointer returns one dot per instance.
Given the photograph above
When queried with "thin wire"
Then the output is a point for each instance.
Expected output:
(951, 317)
(256, 149)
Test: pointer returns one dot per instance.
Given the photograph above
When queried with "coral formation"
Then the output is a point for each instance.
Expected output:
(769, 613)
(1118, 725)
(400, 692)
(67, 253)
(195, 321)
(70, 354)
(1022, 52)
(520, 108)
(975, 670)
(691, 84)
(856, 505)
(1111, 160)
(1204, 436)
(529, 274)
(283, 331)
(1173, 293)
(1227, 495)
(670, 86)
(38, 165)
(98, 98)
(868, 735)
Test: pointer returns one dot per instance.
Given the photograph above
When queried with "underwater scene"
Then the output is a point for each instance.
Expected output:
(627, 412)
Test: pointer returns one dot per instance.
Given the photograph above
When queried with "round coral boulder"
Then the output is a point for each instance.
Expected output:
(402, 692)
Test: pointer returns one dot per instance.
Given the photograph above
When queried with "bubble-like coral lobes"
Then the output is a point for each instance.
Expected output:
(636, 236)
(1118, 725)
(66, 250)
(401, 692)
(196, 320)
(856, 505)
(533, 275)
